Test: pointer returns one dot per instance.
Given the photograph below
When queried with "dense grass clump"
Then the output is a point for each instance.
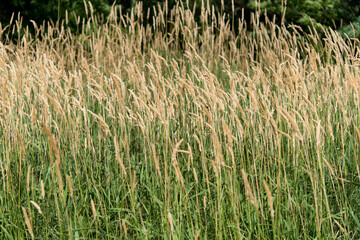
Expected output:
(178, 130)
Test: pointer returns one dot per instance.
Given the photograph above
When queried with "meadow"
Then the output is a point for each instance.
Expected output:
(176, 128)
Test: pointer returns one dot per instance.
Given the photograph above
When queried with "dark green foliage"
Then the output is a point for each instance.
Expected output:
(328, 13)
(351, 30)
(306, 13)
(40, 10)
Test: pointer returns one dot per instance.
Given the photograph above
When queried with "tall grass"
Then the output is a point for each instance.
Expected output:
(165, 128)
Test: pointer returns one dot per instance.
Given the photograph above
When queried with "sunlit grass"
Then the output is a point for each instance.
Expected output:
(178, 130)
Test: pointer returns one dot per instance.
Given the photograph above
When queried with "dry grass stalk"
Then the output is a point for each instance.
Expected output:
(339, 225)
(329, 167)
(357, 134)
(28, 223)
(133, 181)
(117, 88)
(118, 158)
(227, 131)
(329, 127)
(54, 103)
(93, 208)
(74, 128)
(318, 135)
(197, 235)
(103, 124)
(270, 199)
(285, 134)
(124, 227)
(28, 179)
(219, 158)
(156, 161)
(195, 176)
(42, 189)
(274, 126)
(175, 163)
(52, 141)
(171, 222)
(69, 183)
(21, 143)
(59, 177)
(36, 206)
(292, 121)
(198, 142)
(248, 191)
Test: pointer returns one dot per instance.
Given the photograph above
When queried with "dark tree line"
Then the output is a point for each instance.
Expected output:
(337, 14)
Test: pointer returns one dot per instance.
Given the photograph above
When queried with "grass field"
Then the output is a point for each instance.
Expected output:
(178, 129)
